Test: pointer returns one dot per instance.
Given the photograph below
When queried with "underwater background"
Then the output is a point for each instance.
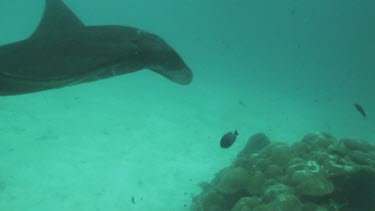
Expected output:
(285, 68)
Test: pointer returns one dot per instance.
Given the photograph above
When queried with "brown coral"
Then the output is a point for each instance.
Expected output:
(317, 173)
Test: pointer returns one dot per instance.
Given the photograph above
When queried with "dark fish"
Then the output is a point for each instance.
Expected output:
(228, 139)
(360, 109)
(133, 200)
(242, 103)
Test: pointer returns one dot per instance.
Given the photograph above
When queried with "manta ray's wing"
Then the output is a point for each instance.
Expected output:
(57, 20)
(57, 50)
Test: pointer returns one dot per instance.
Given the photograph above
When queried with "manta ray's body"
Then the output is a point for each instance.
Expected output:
(63, 51)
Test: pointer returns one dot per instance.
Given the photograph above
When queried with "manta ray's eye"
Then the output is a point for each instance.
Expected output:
(139, 31)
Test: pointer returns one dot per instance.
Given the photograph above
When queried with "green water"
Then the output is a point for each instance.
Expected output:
(285, 68)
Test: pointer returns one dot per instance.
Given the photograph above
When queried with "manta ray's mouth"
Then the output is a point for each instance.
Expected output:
(182, 76)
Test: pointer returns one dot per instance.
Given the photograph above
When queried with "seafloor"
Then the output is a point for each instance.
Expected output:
(95, 146)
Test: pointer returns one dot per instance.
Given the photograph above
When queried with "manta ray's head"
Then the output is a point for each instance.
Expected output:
(162, 58)
(144, 50)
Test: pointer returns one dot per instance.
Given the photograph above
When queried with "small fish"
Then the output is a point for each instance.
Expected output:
(242, 103)
(133, 200)
(360, 109)
(292, 12)
(228, 139)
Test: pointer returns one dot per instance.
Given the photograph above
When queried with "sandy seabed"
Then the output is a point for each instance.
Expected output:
(96, 146)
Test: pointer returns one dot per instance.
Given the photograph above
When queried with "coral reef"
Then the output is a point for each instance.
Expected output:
(317, 173)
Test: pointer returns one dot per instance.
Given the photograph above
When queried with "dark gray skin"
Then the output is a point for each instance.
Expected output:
(228, 139)
(63, 51)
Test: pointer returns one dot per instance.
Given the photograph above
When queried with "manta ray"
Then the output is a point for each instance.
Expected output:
(63, 51)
